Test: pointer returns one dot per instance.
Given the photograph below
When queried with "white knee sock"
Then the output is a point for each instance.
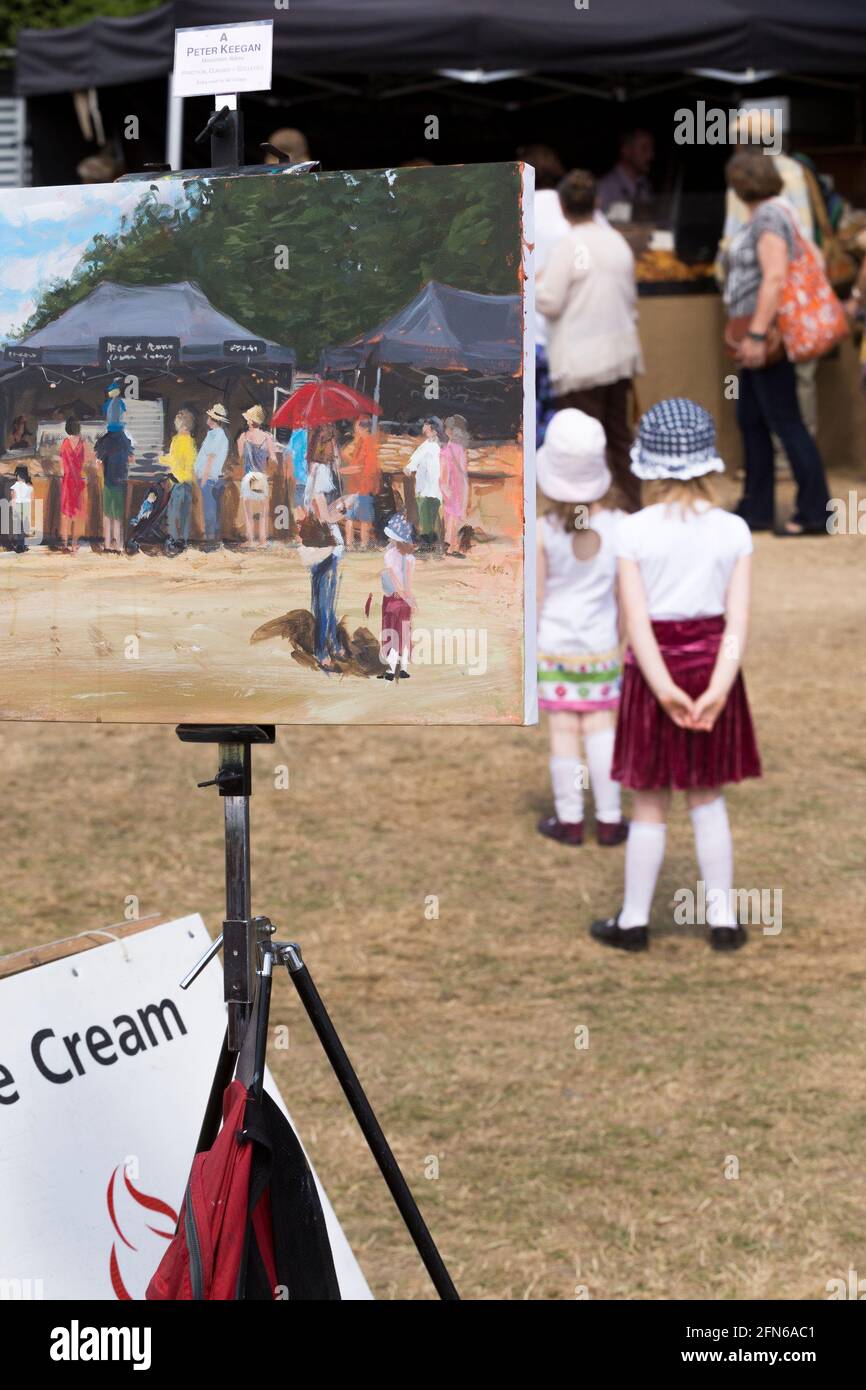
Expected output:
(644, 852)
(567, 775)
(605, 792)
(715, 851)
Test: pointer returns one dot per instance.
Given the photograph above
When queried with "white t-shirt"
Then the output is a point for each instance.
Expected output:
(579, 608)
(686, 556)
(550, 227)
(424, 463)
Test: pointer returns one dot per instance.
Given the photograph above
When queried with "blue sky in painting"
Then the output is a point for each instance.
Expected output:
(44, 232)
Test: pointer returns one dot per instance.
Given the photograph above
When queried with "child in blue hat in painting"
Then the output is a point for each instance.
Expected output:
(114, 407)
(398, 601)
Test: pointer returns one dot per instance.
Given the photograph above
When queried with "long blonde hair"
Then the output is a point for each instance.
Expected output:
(680, 492)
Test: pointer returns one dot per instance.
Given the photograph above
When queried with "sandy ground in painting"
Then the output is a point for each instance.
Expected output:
(66, 624)
(558, 1168)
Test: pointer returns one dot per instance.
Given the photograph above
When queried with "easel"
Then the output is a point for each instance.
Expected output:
(249, 951)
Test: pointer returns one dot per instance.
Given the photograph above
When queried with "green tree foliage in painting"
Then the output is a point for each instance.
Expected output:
(60, 14)
(310, 262)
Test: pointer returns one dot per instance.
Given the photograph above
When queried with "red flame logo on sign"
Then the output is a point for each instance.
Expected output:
(154, 1204)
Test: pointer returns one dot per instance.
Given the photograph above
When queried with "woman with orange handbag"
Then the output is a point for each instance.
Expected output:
(780, 309)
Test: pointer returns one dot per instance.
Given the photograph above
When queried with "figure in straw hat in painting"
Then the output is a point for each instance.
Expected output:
(256, 451)
(209, 466)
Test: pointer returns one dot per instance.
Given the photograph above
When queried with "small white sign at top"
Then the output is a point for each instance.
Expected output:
(220, 59)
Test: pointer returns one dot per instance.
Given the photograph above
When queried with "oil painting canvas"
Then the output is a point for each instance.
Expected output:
(264, 445)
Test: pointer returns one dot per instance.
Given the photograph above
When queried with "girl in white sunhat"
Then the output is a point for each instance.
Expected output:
(684, 721)
(579, 664)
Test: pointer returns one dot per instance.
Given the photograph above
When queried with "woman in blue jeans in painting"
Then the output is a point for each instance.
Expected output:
(756, 266)
(322, 541)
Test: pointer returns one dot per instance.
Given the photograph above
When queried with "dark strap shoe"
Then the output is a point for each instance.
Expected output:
(565, 832)
(609, 932)
(608, 833)
(727, 938)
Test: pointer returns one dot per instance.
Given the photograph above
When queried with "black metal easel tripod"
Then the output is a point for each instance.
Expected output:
(250, 954)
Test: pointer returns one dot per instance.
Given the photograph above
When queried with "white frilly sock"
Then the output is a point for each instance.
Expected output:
(605, 792)
(567, 775)
(715, 851)
(644, 853)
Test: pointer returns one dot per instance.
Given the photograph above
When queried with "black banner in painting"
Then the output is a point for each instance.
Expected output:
(118, 352)
(17, 352)
(244, 347)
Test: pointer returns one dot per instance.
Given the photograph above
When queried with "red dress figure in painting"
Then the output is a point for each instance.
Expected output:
(72, 486)
(398, 602)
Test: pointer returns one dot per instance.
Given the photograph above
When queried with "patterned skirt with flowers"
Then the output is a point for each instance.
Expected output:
(579, 683)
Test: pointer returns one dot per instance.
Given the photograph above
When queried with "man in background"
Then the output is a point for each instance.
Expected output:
(628, 182)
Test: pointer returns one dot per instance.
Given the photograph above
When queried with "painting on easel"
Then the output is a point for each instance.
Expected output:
(262, 449)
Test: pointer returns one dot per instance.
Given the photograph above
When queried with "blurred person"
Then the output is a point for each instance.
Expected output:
(292, 143)
(579, 661)
(755, 130)
(628, 181)
(550, 227)
(588, 293)
(755, 268)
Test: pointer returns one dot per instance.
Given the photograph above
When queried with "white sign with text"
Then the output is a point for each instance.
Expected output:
(105, 1069)
(223, 58)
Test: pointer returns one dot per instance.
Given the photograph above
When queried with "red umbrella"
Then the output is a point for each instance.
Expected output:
(319, 403)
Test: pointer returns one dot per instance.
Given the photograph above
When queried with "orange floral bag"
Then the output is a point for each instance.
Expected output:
(810, 317)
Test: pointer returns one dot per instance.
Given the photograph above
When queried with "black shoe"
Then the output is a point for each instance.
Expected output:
(609, 932)
(404, 675)
(728, 938)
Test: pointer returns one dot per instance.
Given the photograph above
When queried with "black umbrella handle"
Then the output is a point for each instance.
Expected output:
(290, 956)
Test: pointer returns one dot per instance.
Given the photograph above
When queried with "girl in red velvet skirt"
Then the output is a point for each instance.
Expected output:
(684, 721)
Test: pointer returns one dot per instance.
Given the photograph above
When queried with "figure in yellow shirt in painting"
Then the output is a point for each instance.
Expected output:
(181, 460)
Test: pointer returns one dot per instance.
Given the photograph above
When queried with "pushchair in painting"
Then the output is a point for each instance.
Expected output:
(149, 526)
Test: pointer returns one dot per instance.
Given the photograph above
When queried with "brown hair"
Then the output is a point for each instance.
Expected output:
(577, 194)
(753, 176)
(548, 166)
(570, 515)
(681, 492)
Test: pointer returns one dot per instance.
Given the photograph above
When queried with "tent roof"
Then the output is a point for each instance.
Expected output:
(180, 310)
(328, 36)
(442, 327)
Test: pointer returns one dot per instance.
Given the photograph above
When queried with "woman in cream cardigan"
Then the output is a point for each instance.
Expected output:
(588, 295)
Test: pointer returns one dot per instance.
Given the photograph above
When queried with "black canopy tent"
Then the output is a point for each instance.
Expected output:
(112, 310)
(471, 343)
(454, 330)
(182, 349)
(334, 36)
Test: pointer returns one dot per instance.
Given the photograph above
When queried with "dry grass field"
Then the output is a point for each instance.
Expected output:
(558, 1169)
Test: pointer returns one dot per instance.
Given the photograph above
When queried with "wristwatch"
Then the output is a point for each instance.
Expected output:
(756, 337)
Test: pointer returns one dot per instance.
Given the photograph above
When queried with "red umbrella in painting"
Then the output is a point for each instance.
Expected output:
(320, 403)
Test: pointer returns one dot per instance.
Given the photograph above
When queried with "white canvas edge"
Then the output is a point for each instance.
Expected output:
(530, 659)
